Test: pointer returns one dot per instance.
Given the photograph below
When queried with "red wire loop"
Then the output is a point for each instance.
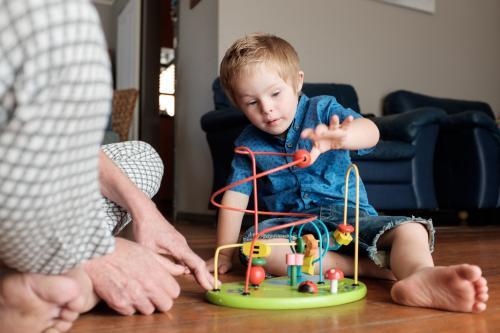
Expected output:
(302, 159)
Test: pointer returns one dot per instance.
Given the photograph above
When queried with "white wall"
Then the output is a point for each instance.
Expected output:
(374, 46)
(379, 47)
(108, 21)
(196, 69)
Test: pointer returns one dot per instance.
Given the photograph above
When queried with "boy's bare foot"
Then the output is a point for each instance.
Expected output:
(460, 288)
(35, 303)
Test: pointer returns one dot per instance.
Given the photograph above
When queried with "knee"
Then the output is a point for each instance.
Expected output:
(148, 151)
(150, 155)
(411, 229)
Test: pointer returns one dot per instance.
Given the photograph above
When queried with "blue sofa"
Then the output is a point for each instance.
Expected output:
(467, 161)
(398, 174)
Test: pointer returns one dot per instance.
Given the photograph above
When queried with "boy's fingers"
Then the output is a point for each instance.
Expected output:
(320, 130)
(334, 122)
(306, 133)
(223, 269)
(347, 121)
(314, 153)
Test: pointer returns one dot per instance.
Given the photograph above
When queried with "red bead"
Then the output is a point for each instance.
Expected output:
(345, 228)
(257, 275)
(302, 155)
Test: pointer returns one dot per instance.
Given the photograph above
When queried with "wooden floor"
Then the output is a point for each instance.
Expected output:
(375, 313)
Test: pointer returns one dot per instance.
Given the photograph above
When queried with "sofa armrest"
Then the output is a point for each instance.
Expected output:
(220, 119)
(469, 119)
(406, 126)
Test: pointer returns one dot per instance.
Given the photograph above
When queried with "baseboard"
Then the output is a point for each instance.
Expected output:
(182, 217)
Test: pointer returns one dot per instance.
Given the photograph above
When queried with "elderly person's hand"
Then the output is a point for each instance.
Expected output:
(134, 279)
(153, 231)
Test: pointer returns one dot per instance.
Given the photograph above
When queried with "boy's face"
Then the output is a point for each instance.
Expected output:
(266, 99)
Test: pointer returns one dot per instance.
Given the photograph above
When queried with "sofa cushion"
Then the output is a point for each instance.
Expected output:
(387, 150)
(344, 93)
(403, 100)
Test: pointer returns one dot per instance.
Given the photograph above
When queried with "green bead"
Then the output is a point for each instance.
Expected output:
(258, 261)
(300, 245)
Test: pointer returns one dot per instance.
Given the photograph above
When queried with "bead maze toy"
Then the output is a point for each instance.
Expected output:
(301, 288)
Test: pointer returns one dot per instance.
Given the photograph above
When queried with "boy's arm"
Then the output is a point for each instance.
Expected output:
(351, 134)
(229, 226)
(362, 133)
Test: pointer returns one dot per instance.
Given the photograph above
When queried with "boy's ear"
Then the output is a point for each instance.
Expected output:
(300, 81)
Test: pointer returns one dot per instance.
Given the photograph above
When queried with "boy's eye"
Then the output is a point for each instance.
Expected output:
(276, 93)
(252, 103)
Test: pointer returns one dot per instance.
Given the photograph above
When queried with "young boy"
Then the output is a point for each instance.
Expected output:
(261, 75)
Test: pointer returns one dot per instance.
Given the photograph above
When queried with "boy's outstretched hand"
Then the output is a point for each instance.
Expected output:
(325, 138)
(224, 264)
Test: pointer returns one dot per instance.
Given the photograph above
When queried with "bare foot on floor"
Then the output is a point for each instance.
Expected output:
(35, 303)
(460, 288)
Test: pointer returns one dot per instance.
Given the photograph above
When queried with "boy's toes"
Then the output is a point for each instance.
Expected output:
(483, 297)
(479, 307)
(481, 287)
(481, 283)
(469, 272)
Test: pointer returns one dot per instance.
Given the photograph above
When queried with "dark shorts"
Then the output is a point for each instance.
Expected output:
(370, 230)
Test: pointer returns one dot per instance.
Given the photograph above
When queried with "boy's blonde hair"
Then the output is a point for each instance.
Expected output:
(258, 48)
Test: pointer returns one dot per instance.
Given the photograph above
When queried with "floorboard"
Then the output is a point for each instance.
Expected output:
(375, 313)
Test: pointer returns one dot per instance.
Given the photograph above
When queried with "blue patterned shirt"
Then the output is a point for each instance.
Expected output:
(298, 189)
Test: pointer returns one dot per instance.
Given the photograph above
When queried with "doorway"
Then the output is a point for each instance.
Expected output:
(156, 123)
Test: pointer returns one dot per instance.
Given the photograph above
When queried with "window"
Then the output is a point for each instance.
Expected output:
(167, 82)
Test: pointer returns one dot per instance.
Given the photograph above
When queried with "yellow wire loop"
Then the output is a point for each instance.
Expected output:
(228, 246)
(346, 194)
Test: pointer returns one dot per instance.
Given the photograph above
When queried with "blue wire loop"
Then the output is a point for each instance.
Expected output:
(323, 250)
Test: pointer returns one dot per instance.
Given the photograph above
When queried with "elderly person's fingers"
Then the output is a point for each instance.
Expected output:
(51, 330)
(69, 315)
(135, 279)
(195, 265)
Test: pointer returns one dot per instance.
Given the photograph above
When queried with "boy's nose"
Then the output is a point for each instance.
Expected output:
(267, 107)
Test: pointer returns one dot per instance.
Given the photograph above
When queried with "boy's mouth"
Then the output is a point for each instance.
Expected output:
(273, 122)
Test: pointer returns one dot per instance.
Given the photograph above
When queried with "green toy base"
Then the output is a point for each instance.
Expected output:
(277, 294)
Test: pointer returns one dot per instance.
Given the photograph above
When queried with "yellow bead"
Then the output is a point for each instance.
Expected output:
(342, 238)
(308, 266)
(259, 250)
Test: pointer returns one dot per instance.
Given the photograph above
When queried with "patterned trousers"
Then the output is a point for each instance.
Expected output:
(51, 229)
(142, 164)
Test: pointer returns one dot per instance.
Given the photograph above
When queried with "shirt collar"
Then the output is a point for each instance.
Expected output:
(301, 109)
(299, 117)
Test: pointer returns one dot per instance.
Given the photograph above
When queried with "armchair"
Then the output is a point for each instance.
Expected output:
(467, 163)
(120, 118)
(397, 175)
